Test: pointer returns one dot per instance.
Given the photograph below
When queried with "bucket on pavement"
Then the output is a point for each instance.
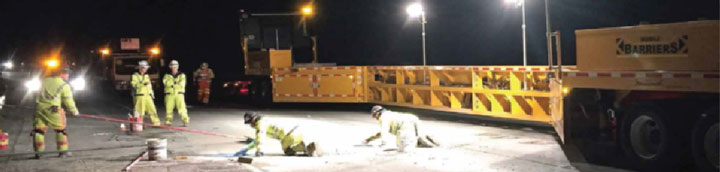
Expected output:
(157, 149)
(136, 127)
(4, 140)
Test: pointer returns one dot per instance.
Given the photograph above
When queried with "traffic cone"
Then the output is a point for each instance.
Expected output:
(4, 140)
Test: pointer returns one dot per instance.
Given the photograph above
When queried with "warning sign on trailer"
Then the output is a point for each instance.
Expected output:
(129, 43)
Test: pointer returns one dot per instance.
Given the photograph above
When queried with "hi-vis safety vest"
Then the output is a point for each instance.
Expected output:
(55, 91)
(138, 83)
(174, 84)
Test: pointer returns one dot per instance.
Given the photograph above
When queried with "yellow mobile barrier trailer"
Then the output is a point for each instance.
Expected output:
(650, 91)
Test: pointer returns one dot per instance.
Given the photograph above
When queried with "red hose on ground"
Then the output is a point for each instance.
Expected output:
(160, 126)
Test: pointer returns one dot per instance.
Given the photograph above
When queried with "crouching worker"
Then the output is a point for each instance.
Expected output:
(405, 127)
(291, 139)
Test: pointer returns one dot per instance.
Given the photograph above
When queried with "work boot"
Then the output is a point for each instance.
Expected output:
(65, 154)
(37, 156)
(313, 151)
(185, 125)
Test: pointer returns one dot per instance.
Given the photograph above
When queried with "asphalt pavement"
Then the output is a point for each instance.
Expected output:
(467, 144)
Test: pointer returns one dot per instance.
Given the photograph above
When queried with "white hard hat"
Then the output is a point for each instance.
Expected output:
(174, 63)
(143, 64)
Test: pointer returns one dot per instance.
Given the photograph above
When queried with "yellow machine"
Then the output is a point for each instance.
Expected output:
(648, 89)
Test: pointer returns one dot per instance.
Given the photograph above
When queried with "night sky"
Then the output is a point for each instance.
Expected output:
(350, 32)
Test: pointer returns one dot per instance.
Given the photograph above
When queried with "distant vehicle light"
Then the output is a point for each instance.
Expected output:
(52, 63)
(8, 65)
(105, 51)
(33, 84)
(78, 84)
(155, 51)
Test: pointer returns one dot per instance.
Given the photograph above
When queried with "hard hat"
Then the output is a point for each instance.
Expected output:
(204, 64)
(174, 63)
(376, 109)
(143, 64)
(251, 116)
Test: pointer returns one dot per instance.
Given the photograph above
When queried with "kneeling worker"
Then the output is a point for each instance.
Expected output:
(406, 128)
(291, 140)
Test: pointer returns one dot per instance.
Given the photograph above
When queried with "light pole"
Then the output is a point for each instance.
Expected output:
(416, 10)
(521, 4)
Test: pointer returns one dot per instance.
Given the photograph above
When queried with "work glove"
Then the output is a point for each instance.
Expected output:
(242, 152)
(146, 83)
(76, 113)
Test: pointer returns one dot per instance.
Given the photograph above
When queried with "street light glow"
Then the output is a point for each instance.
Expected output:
(307, 10)
(415, 10)
(105, 51)
(515, 3)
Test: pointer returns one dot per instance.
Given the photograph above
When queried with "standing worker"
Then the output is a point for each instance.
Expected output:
(203, 79)
(406, 128)
(54, 92)
(175, 94)
(291, 139)
(143, 93)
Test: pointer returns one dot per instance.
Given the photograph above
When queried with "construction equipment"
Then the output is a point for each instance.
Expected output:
(119, 61)
(630, 83)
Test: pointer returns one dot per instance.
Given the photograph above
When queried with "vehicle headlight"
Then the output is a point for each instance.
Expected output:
(78, 84)
(33, 84)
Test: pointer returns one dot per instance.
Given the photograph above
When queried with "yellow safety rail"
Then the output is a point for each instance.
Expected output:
(513, 92)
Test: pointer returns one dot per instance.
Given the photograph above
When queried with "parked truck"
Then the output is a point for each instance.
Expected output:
(119, 60)
(647, 93)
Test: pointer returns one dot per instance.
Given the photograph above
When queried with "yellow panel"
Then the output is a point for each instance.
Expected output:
(416, 98)
(280, 58)
(335, 85)
(454, 100)
(676, 46)
(330, 84)
(293, 86)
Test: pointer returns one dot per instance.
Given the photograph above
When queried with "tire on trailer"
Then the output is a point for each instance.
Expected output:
(647, 139)
(261, 93)
(704, 141)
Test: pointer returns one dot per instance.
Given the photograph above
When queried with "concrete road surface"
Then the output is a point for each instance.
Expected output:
(467, 144)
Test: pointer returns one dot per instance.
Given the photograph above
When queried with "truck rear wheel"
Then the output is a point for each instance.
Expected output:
(647, 139)
(705, 141)
(261, 93)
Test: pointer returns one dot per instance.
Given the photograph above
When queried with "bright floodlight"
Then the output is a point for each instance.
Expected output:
(516, 3)
(415, 10)
(8, 65)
